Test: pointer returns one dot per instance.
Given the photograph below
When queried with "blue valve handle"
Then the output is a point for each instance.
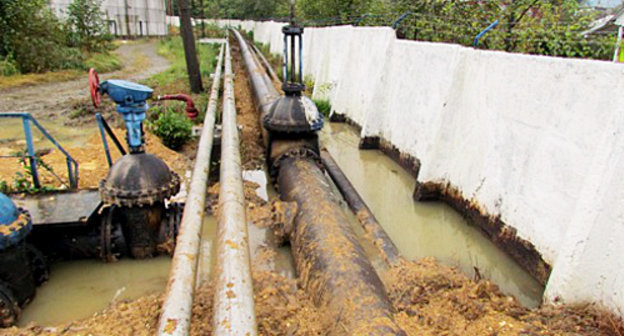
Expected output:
(131, 104)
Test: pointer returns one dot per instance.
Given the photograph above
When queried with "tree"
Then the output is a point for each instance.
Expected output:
(86, 25)
(33, 38)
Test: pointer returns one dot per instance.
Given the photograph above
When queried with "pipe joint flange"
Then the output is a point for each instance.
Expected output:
(301, 153)
(128, 198)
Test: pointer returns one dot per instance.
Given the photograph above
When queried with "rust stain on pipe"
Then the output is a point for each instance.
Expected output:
(331, 264)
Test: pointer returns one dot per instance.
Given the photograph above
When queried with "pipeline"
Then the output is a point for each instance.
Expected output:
(176, 312)
(365, 216)
(233, 302)
(331, 265)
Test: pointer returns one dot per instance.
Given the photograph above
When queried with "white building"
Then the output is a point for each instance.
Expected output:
(127, 17)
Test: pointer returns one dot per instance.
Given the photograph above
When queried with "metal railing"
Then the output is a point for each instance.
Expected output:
(72, 165)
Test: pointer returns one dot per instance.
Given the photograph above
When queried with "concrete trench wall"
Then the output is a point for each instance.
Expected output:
(536, 141)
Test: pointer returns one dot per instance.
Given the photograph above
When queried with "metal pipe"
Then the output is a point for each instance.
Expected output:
(365, 216)
(31, 152)
(177, 308)
(233, 301)
(331, 264)
(112, 135)
(266, 63)
(98, 118)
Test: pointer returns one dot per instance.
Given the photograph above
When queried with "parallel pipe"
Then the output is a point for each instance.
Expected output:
(365, 216)
(233, 302)
(331, 264)
(177, 308)
(266, 63)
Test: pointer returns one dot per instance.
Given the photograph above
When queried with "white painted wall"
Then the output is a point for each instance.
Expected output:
(146, 17)
(536, 140)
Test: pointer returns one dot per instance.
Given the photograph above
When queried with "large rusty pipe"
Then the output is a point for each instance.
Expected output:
(177, 307)
(374, 231)
(331, 264)
(233, 302)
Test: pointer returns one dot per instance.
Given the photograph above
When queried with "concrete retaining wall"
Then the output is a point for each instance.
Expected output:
(536, 140)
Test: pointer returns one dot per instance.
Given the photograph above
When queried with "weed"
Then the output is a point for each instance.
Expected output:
(324, 106)
(174, 129)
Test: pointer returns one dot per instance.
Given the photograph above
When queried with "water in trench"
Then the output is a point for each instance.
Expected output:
(78, 289)
(13, 134)
(424, 229)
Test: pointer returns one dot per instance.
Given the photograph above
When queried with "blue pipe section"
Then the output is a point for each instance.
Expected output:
(483, 32)
(13, 227)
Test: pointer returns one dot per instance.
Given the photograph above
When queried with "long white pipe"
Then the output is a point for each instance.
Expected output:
(233, 302)
(177, 308)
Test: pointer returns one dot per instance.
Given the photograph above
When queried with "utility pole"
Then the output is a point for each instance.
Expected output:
(127, 19)
(201, 6)
(186, 30)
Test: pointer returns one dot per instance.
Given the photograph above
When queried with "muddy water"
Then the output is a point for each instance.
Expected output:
(424, 229)
(78, 289)
(13, 139)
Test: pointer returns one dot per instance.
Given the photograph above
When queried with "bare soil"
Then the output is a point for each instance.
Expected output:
(252, 146)
(92, 164)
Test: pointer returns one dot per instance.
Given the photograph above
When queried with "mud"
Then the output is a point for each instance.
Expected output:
(252, 147)
(91, 158)
(429, 299)
(432, 299)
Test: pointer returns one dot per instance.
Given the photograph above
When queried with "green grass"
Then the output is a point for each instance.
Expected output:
(103, 62)
(175, 79)
(176, 76)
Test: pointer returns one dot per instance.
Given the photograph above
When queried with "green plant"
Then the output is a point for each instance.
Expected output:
(174, 129)
(85, 26)
(323, 105)
(22, 181)
(8, 66)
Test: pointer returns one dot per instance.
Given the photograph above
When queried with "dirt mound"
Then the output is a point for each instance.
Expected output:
(91, 158)
(432, 299)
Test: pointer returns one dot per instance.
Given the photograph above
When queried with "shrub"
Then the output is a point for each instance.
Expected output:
(8, 67)
(33, 36)
(324, 106)
(174, 129)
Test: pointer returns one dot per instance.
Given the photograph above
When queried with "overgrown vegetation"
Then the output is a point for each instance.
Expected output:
(172, 127)
(34, 40)
(543, 27)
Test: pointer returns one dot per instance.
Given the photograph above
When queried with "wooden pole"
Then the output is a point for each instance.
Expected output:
(188, 39)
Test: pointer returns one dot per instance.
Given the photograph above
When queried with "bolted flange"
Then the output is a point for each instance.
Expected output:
(138, 179)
